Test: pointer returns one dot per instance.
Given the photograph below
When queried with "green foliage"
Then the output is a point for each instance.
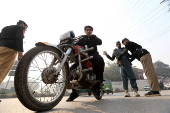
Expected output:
(112, 72)
(162, 70)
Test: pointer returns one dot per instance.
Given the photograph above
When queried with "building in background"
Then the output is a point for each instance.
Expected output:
(138, 73)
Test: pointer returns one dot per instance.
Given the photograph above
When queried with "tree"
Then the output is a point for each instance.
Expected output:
(162, 70)
(112, 72)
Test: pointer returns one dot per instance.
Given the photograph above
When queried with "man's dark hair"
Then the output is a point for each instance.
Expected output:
(124, 40)
(20, 22)
(88, 27)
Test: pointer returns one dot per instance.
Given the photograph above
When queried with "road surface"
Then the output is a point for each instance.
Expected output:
(112, 103)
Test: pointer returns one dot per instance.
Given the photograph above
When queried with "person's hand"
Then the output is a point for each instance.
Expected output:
(118, 62)
(93, 37)
(104, 53)
(19, 55)
(114, 50)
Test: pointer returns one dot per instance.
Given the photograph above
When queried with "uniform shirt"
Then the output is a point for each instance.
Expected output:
(90, 41)
(132, 47)
(12, 37)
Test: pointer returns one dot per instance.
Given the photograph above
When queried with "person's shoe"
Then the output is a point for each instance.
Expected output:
(152, 93)
(0, 100)
(136, 93)
(72, 97)
(127, 93)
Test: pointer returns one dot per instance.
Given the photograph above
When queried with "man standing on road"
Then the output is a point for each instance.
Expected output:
(125, 70)
(97, 62)
(145, 58)
(11, 44)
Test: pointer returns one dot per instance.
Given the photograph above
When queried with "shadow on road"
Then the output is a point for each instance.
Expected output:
(119, 105)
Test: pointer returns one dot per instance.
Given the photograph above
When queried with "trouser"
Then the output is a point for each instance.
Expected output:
(98, 66)
(7, 58)
(149, 70)
(125, 77)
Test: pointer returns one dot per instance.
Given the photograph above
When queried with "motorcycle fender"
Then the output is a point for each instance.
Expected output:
(52, 45)
(48, 44)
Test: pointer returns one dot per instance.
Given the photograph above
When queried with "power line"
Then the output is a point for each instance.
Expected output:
(106, 28)
(149, 23)
(167, 1)
(158, 35)
(121, 18)
(151, 18)
(142, 19)
(136, 14)
(157, 27)
(117, 13)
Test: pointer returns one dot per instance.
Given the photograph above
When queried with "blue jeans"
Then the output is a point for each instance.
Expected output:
(125, 77)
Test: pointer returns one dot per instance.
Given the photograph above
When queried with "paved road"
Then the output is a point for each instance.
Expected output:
(112, 103)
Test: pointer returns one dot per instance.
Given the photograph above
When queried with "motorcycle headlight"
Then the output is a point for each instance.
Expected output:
(69, 34)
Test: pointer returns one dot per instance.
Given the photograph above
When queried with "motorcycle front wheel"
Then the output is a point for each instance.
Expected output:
(101, 92)
(32, 85)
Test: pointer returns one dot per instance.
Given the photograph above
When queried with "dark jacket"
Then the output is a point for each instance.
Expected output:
(12, 37)
(90, 41)
(136, 50)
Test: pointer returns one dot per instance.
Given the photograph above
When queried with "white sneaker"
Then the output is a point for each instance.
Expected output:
(136, 93)
(127, 93)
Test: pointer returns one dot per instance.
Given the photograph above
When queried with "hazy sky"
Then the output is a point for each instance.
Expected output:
(144, 21)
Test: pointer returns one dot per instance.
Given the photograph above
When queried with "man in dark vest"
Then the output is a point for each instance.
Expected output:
(11, 44)
(145, 58)
(97, 62)
(125, 70)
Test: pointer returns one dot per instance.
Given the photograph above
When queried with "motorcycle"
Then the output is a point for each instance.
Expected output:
(43, 74)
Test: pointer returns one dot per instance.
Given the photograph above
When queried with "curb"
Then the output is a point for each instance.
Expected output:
(8, 96)
(15, 96)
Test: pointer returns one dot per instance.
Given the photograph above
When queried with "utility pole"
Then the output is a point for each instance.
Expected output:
(168, 3)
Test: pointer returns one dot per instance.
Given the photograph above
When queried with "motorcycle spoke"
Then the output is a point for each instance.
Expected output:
(34, 81)
(43, 59)
(35, 85)
(41, 91)
(37, 66)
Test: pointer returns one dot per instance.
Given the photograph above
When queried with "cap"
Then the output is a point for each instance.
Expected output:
(20, 22)
(117, 42)
(124, 39)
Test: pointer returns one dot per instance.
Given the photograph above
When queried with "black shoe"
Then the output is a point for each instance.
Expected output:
(152, 93)
(96, 93)
(72, 97)
(0, 100)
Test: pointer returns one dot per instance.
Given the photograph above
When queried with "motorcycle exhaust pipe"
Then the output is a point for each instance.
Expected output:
(74, 82)
(89, 69)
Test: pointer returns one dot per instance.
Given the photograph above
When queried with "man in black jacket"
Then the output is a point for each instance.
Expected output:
(97, 62)
(11, 44)
(145, 58)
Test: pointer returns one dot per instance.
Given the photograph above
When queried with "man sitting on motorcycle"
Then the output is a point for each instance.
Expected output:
(97, 62)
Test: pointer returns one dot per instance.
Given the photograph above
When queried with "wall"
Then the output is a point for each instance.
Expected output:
(118, 85)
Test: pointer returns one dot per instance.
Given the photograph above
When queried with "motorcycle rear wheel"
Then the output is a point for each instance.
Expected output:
(30, 88)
